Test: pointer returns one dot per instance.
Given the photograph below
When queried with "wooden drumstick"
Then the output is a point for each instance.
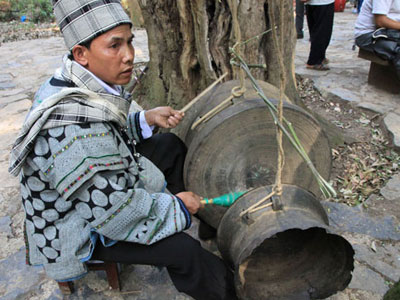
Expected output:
(187, 106)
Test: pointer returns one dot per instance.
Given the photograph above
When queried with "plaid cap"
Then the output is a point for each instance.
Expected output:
(83, 20)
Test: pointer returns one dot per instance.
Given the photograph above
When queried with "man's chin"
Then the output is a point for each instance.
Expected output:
(124, 80)
(120, 82)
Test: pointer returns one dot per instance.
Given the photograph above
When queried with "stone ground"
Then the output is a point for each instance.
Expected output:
(347, 79)
(373, 231)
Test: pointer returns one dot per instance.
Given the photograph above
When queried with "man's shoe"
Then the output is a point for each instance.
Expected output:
(318, 67)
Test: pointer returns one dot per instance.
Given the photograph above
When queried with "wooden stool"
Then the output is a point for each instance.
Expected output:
(381, 73)
(111, 269)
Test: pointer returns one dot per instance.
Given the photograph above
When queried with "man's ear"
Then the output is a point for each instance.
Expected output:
(80, 54)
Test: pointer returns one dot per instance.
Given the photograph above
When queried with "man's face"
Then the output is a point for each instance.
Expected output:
(111, 55)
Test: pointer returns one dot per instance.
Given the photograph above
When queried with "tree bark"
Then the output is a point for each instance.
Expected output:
(135, 13)
(189, 43)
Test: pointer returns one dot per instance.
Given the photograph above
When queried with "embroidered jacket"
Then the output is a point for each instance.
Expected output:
(81, 180)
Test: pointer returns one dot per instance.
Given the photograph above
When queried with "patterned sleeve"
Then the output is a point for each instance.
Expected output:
(134, 130)
(119, 195)
(124, 214)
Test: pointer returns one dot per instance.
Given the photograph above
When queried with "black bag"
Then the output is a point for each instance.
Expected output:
(386, 43)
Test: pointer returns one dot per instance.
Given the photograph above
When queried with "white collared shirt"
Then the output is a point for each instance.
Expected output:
(147, 130)
(366, 19)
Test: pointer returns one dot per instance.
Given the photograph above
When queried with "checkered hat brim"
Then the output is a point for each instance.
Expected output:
(83, 20)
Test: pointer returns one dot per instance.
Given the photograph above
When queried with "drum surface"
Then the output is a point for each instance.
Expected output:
(237, 149)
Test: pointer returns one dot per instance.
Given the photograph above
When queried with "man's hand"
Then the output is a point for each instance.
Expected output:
(191, 201)
(163, 116)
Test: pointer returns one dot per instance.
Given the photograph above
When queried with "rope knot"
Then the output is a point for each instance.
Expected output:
(278, 190)
(238, 91)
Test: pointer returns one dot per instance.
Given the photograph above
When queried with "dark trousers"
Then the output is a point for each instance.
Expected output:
(320, 25)
(193, 270)
(299, 16)
(168, 153)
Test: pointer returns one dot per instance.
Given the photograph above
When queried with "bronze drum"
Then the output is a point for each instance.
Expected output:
(284, 254)
(236, 150)
(276, 254)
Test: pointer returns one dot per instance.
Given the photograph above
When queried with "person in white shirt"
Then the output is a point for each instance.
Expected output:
(377, 29)
(320, 24)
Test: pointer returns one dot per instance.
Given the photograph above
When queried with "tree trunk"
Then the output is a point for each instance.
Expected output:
(135, 13)
(189, 44)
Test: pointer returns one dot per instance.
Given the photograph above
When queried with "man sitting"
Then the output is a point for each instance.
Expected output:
(95, 183)
(377, 29)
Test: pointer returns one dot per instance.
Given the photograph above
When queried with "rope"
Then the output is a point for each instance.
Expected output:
(254, 207)
(224, 104)
(278, 45)
(278, 48)
(233, 4)
(198, 97)
(239, 91)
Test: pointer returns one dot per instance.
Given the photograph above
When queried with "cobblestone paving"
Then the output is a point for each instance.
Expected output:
(347, 78)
